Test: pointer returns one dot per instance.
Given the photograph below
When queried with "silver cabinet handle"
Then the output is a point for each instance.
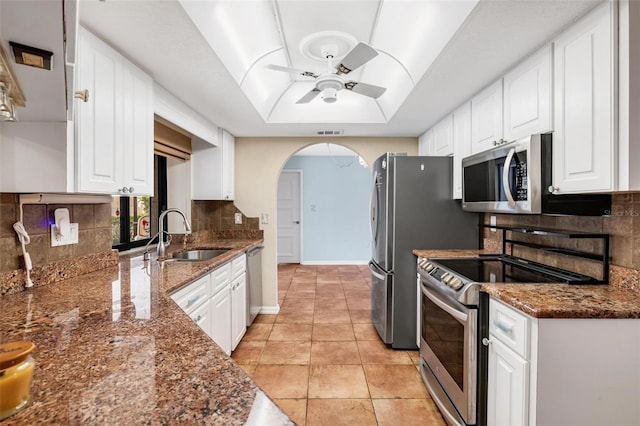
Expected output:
(486, 342)
(505, 326)
(552, 189)
(297, 222)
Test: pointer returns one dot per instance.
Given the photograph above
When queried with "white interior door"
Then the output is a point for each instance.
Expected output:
(289, 216)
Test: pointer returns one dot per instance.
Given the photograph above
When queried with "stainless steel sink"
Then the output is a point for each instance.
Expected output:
(199, 255)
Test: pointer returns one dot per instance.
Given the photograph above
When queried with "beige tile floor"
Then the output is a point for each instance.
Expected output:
(321, 360)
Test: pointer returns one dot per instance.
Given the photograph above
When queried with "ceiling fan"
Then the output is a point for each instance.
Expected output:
(331, 82)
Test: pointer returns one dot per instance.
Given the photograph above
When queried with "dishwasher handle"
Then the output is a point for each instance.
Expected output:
(254, 250)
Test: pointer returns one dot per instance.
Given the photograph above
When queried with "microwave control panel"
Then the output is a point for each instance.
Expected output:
(521, 181)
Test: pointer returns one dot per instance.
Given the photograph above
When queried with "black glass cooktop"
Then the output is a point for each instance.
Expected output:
(508, 269)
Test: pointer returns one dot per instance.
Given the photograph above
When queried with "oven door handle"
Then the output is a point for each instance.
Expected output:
(460, 316)
(505, 177)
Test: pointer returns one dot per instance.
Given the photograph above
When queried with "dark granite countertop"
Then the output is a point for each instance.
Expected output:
(113, 348)
(557, 300)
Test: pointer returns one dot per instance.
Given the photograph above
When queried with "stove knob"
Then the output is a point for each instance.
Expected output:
(455, 283)
(444, 277)
(429, 267)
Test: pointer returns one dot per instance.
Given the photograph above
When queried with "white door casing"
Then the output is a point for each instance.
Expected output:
(290, 216)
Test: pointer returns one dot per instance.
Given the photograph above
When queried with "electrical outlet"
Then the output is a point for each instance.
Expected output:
(492, 221)
(64, 240)
(264, 218)
(238, 218)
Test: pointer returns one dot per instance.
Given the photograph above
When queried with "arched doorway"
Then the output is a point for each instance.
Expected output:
(323, 202)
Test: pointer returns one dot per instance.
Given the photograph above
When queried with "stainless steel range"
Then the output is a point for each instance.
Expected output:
(454, 322)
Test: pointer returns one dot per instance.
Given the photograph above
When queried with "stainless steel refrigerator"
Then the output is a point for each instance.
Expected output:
(411, 208)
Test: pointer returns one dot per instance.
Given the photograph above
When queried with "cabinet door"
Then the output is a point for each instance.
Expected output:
(486, 118)
(527, 97)
(221, 319)
(203, 317)
(137, 154)
(238, 309)
(461, 145)
(99, 138)
(507, 387)
(425, 143)
(583, 140)
(228, 165)
(213, 169)
(443, 137)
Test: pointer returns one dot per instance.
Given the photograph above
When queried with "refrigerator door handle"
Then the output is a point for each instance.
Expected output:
(373, 201)
(374, 272)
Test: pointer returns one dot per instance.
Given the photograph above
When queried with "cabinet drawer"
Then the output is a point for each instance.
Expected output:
(220, 278)
(192, 296)
(202, 317)
(238, 265)
(510, 327)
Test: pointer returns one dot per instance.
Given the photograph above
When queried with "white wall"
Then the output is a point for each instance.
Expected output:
(258, 163)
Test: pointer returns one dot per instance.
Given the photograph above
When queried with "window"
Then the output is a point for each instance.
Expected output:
(134, 220)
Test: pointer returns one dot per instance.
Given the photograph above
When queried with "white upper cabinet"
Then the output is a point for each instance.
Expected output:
(527, 97)
(138, 130)
(443, 137)
(461, 144)
(213, 168)
(114, 122)
(584, 140)
(486, 118)
(425, 143)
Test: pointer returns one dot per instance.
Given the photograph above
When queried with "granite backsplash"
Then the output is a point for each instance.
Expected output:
(210, 220)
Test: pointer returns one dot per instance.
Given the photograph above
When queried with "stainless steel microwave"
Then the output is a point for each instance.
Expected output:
(513, 178)
(505, 179)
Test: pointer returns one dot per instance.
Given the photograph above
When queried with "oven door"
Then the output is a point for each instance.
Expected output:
(448, 342)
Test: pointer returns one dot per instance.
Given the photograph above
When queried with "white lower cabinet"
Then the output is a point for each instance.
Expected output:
(238, 299)
(557, 371)
(217, 303)
(507, 386)
(238, 309)
(202, 316)
(221, 316)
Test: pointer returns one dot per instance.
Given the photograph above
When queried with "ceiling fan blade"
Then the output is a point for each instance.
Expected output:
(291, 70)
(308, 97)
(365, 89)
(359, 55)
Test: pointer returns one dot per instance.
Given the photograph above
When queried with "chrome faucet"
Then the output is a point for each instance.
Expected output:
(162, 247)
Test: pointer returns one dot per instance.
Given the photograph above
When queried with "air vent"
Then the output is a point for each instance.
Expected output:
(329, 132)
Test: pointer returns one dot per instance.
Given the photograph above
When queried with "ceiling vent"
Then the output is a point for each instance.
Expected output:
(329, 132)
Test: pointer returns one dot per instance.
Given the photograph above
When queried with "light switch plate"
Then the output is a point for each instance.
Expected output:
(264, 218)
(238, 218)
(492, 221)
(72, 238)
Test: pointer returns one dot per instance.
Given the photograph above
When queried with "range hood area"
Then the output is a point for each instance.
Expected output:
(47, 93)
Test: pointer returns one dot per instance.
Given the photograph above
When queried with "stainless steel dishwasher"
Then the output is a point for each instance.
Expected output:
(254, 283)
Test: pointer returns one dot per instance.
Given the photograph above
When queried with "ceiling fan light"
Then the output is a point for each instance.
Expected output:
(329, 95)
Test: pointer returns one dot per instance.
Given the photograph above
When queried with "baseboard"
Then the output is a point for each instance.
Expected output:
(270, 310)
(334, 262)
